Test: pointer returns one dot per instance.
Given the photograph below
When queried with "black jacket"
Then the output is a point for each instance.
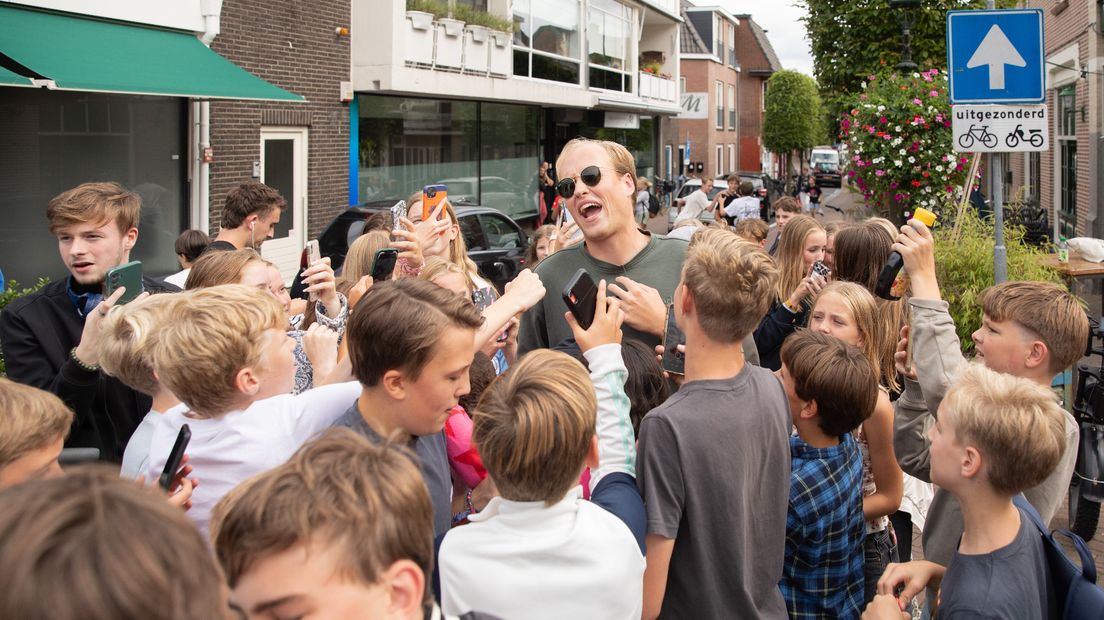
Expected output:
(36, 334)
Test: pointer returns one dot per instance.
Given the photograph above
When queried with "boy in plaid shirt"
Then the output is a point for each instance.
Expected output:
(831, 389)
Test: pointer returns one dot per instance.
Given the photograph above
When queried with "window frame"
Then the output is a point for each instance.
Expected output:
(718, 95)
(530, 51)
(629, 62)
(731, 107)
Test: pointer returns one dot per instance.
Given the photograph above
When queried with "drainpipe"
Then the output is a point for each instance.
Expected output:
(212, 10)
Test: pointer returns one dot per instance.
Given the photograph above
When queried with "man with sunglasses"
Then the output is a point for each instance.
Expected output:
(598, 185)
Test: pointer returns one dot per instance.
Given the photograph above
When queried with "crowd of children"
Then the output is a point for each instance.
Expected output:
(390, 450)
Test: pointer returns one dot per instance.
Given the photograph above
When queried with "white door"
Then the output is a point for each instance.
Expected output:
(284, 168)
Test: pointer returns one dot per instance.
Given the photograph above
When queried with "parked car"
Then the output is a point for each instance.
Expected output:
(497, 193)
(689, 187)
(824, 164)
(496, 243)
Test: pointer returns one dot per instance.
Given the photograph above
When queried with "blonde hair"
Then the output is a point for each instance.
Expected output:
(128, 336)
(435, 267)
(879, 338)
(622, 160)
(362, 253)
(222, 329)
(730, 280)
(220, 267)
(95, 203)
(92, 546)
(1015, 423)
(30, 419)
(1047, 310)
(887, 225)
(534, 426)
(367, 502)
(458, 248)
(791, 253)
(752, 229)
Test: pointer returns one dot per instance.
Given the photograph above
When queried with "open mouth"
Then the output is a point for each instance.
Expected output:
(82, 266)
(589, 211)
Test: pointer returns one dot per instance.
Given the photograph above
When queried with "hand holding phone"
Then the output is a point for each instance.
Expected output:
(175, 457)
(432, 196)
(674, 360)
(581, 296)
(313, 254)
(383, 265)
(127, 276)
(398, 211)
(605, 327)
(821, 270)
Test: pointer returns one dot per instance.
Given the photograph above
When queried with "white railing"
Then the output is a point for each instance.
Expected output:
(452, 45)
(655, 87)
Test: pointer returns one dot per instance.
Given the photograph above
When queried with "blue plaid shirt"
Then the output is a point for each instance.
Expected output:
(822, 576)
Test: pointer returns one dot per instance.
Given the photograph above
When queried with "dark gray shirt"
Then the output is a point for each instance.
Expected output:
(432, 459)
(1010, 582)
(715, 474)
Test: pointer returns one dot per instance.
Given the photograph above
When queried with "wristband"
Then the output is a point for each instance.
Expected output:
(786, 305)
(406, 270)
(80, 364)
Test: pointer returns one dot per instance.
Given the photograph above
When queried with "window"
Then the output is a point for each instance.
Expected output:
(546, 42)
(500, 234)
(732, 158)
(731, 45)
(1067, 160)
(682, 159)
(732, 107)
(682, 85)
(763, 98)
(720, 161)
(718, 41)
(609, 45)
(1032, 176)
(718, 94)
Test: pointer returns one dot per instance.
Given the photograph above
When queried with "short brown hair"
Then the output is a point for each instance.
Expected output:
(92, 546)
(397, 324)
(128, 336)
(622, 160)
(731, 282)
(214, 268)
(836, 375)
(248, 198)
(95, 203)
(1015, 423)
(368, 502)
(788, 204)
(222, 330)
(30, 419)
(1045, 309)
(752, 229)
(191, 243)
(534, 426)
(860, 252)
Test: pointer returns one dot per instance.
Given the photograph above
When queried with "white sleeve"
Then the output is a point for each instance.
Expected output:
(308, 413)
(616, 440)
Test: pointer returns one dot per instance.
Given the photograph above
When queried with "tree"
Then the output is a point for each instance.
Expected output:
(794, 115)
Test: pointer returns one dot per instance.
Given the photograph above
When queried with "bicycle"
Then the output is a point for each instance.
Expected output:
(978, 133)
(1086, 490)
(1034, 137)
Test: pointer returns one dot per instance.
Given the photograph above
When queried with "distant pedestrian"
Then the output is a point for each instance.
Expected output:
(814, 197)
(640, 208)
(189, 245)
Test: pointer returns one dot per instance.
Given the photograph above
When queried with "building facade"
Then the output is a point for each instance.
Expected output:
(758, 63)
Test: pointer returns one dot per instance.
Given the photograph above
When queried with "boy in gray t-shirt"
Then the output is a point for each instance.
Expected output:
(995, 436)
(714, 459)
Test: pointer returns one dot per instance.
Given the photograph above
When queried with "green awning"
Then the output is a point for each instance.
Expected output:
(7, 78)
(89, 54)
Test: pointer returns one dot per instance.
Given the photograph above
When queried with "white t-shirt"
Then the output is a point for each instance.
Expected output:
(743, 208)
(225, 451)
(136, 455)
(696, 203)
(179, 278)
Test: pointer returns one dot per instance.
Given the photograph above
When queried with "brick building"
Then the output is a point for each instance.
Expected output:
(758, 62)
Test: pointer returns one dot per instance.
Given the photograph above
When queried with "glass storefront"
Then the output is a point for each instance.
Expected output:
(487, 153)
(591, 124)
(53, 141)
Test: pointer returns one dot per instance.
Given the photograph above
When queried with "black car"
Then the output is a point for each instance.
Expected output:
(495, 242)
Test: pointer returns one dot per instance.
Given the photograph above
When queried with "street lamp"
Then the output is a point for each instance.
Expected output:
(906, 17)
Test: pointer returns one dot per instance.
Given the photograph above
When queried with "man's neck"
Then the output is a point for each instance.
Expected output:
(376, 409)
(164, 400)
(706, 359)
(237, 237)
(809, 432)
(620, 248)
(991, 520)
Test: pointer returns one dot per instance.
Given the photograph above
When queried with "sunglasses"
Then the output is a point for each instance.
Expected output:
(591, 175)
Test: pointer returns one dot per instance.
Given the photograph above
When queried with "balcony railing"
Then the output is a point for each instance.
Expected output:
(451, 45)
(655, 87)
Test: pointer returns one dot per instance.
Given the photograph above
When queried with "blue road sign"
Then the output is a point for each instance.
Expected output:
(996, 56)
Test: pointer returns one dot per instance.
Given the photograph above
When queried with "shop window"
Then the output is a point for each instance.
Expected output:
(1067, 160)
(54, 141)
(546, 42)
(610, 46)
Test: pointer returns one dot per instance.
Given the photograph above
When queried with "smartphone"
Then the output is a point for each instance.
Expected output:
(504, 336)
(483, 298)
(821, 270)
(175, 457)
(398, 211)
(313, 254)
(383, 265)
(432, 195)
(581, 297)
(128, 275)
(674, 361)
(560, 217)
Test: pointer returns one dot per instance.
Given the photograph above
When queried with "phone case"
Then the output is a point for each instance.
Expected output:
(821, 270)
(483, 298)
(398, 211)
(383, 265)
(674, 361)
(581, 297)
(128, 275)
(175, 457)
(432, 195)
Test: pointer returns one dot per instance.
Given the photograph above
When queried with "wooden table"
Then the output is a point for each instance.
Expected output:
(1077, 268)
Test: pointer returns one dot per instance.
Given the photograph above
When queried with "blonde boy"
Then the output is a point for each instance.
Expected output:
(539, 550)
(717, 447)
(128, 337)
(33, 427)
(1032, 330)
(226, 355)
(343, 529)
(996, 435)
(753, 230)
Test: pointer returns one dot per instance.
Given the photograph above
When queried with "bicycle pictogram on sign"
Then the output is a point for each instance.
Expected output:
(978, 133)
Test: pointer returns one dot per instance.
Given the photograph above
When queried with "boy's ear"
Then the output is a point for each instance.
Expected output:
(130, 238)
(809, 410)
(591, 460)
(687, 298)
(394, 384)
(405, 583)
(1038, 354)
(247, 382)
(971, 462)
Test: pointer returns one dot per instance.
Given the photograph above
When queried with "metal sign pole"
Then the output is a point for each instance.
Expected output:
(1000, 253)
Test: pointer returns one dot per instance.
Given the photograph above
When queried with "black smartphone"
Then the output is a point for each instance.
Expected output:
(128, 275)
(581, 297)
(175, 457)
(674, 361)
(383, 265)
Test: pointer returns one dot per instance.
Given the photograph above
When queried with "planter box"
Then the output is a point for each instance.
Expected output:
(418, 44)
(502, 53)
(450, 44)
(476, 52)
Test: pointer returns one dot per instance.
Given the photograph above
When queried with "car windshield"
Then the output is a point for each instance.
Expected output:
(830, 158)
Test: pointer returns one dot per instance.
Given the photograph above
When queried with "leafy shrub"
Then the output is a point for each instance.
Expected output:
(11, 293)
(964, 266)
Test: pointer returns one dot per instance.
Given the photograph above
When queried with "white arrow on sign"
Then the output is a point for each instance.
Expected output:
(996, 51)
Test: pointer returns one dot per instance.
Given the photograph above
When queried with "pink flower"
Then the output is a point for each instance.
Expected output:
(883, 120)
(918, 102)
(934, 93)
(893, 185)
(879, 173)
